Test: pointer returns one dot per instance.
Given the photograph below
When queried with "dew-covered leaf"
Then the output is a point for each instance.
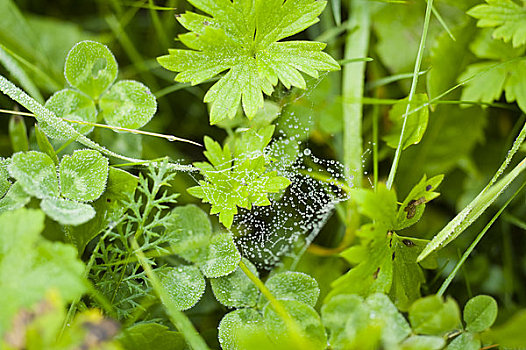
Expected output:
(4, 175)
(151, 336)
(480, 312)
(236, 289)
(73, 105)
(90, 67)
(433, 316)
(128, 104)
(67, 212)
(465, 341)
(109, 208)
(83, 175)
(237, 326)
(423, 342)
(190, 232)
(416, 123)
(222, 256)
(185, 285)
(294, 286)
(307, 319)
(15, 198)
(36, 173)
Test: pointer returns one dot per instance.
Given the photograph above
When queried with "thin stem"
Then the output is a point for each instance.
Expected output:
(412, 91)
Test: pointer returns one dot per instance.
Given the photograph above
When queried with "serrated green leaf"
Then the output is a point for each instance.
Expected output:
(307, 319)
(236, 289)
(109, 208)
(415, 126)
(379, 205)
(18, 134)
(465, 341)
(128, 104)
(190, 233)
(433, 316)
(90, 67)
(506, 15)
(292, 285)
(36, 173)
(83, 175)
(67, 212)
(242, 37)
(222, 256)
(423, 342)
(15, 198)
(185, 284)
(236, 325)
(151, 336)
(480, 313)
(73, 105)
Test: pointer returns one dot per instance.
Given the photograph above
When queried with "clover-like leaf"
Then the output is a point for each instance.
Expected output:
(67, 212)
(507, 16)
(294, 286)
(185, 285)
(128, 104)
(243, 38)
(307, 319)
(237, 326)
(15, 198)
(465, 341)
(236, 289)
(222, 256)
(90, 67)
(480, 312)
(433, 316)
(36, 173)
(83, 175)
(73, 105)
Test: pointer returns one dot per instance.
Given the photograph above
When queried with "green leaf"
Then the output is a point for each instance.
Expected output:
(395, 328)
(4, 175)
(44, 145)
(190, 232)
(15, 198)
(73, 105)
(109, 207)
(307, 319)
(509, 335)
(465, 341)
(67, 212)
(18, 134)
(128, 104)
(480, 313)
(185, 285)
(237, 326)
(90, 67)
(508, 17)
(30, 266)
(414, 204)
(222, 256)
(151, 336)
(423, 342)
(83, 175)
(416, 123)
(236, 289)
(379, 205)
(291, 285)
(433, 316)
(36, 173)
(242, 39)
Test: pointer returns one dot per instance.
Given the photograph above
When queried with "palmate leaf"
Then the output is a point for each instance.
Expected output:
(242, 37)
(507, 16)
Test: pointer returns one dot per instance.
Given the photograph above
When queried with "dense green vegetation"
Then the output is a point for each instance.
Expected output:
(320, 174)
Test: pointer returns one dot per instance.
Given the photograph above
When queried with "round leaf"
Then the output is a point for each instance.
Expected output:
(306, 318)
(236, 289)
(431, 315)
(67, 212)
(15, 198)
(395, 327)
(128, 104)
(73, 105)
(480, 312)
(90, 67)
(465, 341)
(185, 284)
(238, 324)
(294, 286)
(222, 256)
(83, 175)
(36, 172)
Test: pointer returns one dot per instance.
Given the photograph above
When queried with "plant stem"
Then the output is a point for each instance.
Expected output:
(412, 91)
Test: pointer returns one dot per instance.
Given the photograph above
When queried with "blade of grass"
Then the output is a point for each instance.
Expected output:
(337, 11)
